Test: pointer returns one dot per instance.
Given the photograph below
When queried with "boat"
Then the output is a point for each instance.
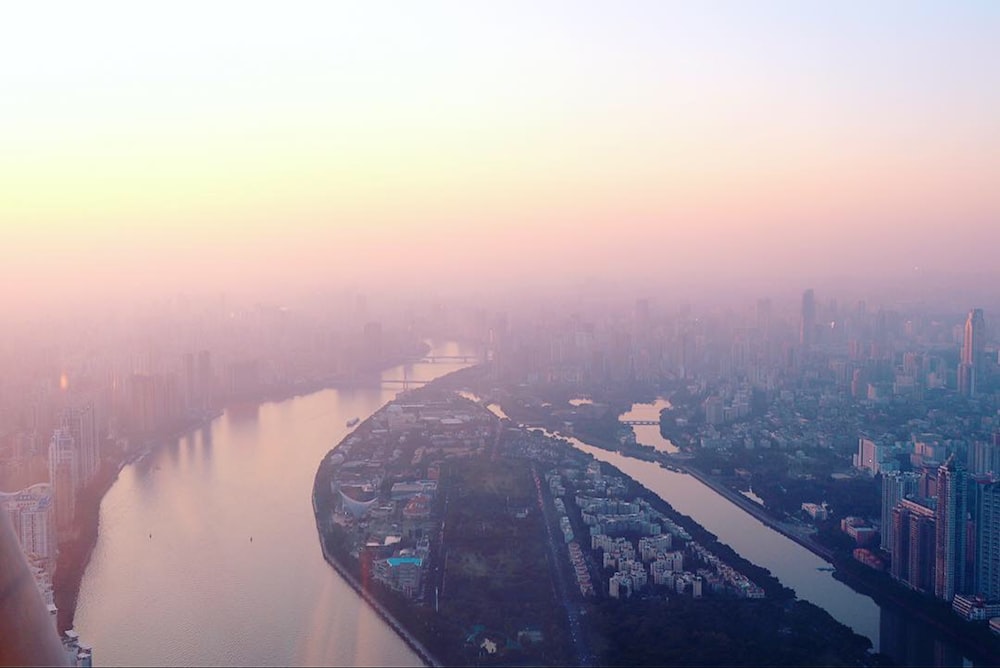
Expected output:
(353, 421)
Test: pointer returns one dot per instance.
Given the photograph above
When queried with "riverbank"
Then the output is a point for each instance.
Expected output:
(407, 637)
(758, 512)
(976, 642)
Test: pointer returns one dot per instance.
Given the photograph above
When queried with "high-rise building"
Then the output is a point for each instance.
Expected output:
(373, 345)
(205, 385)
(81, 424)
(31, 514)
(985, 504)
(64, 476)
(808, 325)
(873, 457)
(896, 486)
(764, 317)
(642, 317)
(913, 549)
(970, 368)
(951, 521)
(190, 382)
(984, 457)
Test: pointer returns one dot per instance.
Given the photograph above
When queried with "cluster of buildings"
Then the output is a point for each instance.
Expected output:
(580, 569)
(41, 514)
(638, 545)
(805, 382)
(941, 530)
(724, 574)
(32, 515)
(384, 478)
(76, 395)
(768, 347)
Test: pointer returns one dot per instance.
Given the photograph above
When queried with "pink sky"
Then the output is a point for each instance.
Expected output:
(312, 144)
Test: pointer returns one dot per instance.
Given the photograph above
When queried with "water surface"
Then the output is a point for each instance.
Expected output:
(175, 579)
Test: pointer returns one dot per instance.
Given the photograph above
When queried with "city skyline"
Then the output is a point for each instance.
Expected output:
(569, 333)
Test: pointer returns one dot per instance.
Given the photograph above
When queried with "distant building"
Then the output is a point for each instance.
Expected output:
(872, 457)
(817, 511)
(206, 382)
(64, 476)
(31, 514)
(984, 457)
(970, 368)
(714, 410)
(808, 323)
(81, 424)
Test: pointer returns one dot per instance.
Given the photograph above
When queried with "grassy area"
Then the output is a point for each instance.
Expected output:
(498, 581)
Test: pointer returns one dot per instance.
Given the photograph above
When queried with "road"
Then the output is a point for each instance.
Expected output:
(570, 598)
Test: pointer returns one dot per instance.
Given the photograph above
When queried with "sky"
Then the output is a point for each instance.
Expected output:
(214, 145)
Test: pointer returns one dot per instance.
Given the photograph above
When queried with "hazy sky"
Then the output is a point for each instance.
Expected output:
(234, 142)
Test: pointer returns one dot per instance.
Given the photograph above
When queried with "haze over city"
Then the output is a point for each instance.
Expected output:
(232, 146)
(564, 333)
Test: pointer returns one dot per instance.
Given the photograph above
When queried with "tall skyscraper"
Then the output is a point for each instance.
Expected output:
(970, 368)
(205, 385)
(896, 486)
(372, 345)
(986, 513)
(190, 382)
(808, 324)
(81, 424)
(64, 476)
(764, 317)
(951, 520)
(642, 317)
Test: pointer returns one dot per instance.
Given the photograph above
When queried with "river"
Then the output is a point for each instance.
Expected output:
(649, 434)
(905, 640)
(175, 579)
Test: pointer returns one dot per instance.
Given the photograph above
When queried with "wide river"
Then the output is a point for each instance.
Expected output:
(175, 579)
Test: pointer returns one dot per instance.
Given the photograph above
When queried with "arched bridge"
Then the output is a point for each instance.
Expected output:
(640, 422)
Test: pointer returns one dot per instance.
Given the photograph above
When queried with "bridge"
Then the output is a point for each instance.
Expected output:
(432, 359)
(640, 422)
(405, 382)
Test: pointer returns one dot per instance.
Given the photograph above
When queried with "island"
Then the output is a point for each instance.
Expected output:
(489, 543)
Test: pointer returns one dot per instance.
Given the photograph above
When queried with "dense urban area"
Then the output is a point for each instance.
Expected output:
(512, 547)
(869, 434)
